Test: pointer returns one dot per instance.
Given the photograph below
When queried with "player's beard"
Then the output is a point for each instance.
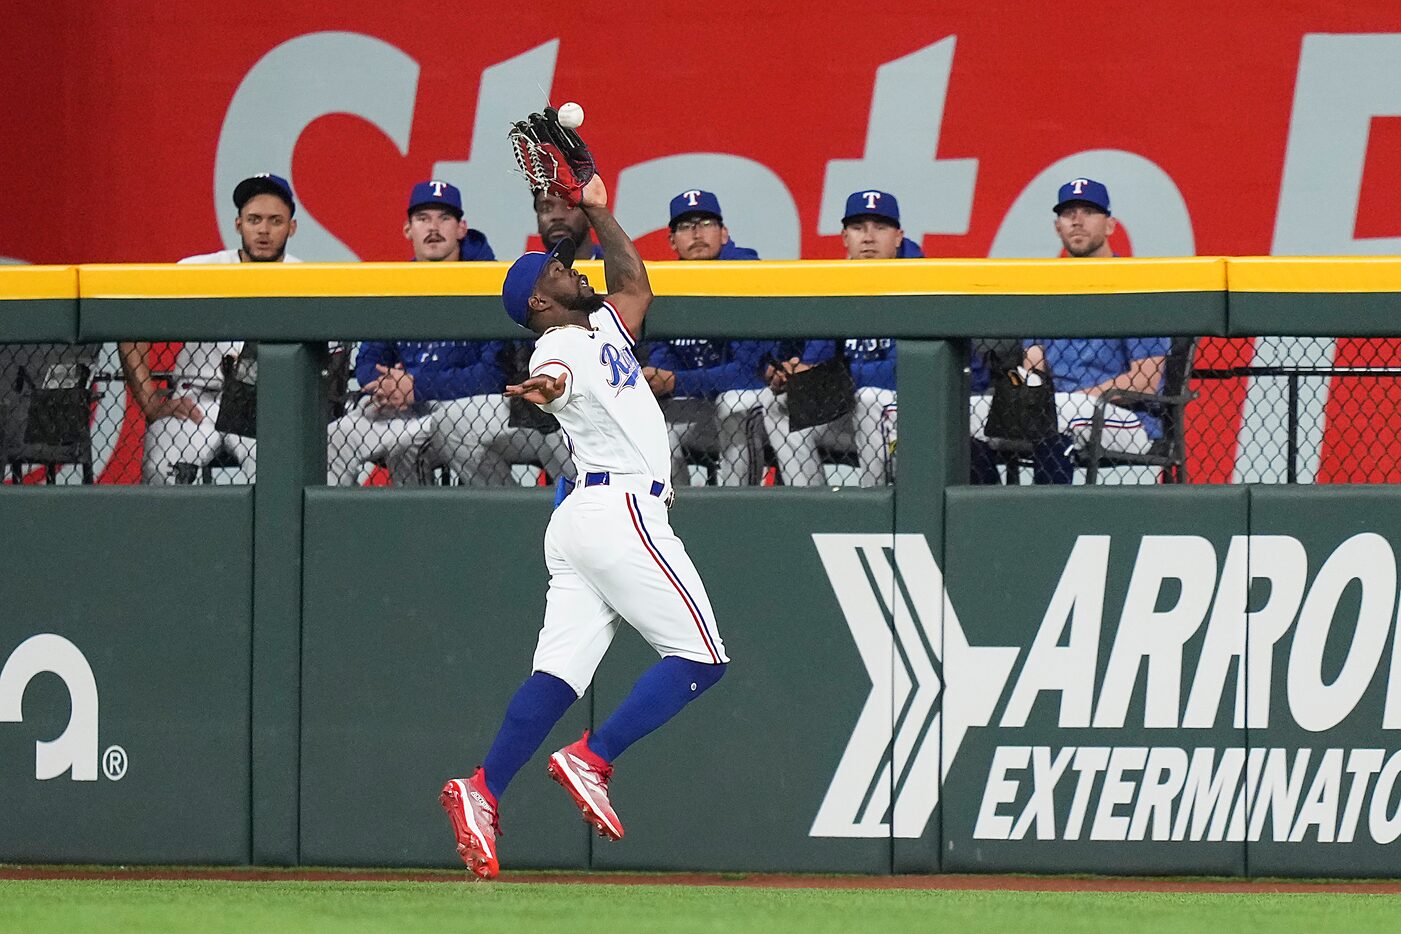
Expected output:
(275, 258)
(590, 303)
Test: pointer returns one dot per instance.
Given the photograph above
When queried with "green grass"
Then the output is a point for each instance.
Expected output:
(344, 907)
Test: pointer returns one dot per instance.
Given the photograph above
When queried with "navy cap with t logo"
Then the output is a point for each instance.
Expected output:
(1083, 189)
(436, 192)
(525, 272)
(694, 201)
(872, 203)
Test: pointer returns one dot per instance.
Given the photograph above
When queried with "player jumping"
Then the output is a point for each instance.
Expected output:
(609, 547)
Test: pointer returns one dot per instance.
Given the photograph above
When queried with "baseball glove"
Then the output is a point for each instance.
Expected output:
(551, 157)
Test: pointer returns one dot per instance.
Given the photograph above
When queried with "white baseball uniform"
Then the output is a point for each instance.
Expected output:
(870, 429)
(609, 547)
(366, 434)
(197, 376)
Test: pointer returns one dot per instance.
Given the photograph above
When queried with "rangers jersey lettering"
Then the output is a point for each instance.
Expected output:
(607, 410)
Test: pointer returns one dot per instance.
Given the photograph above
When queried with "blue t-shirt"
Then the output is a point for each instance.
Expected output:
(871, 359)
(442, 369)
(1081, 362)
(705, 368)
(475, 248)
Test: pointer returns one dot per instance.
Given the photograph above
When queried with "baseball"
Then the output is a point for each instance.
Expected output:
(571, 115)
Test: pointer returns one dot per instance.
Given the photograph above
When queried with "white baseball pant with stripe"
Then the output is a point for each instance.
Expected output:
(872, 424)
(612, 556)
(1075, 412)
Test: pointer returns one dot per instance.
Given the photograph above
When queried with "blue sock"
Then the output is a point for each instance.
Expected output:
(1050, 461)
(982, 464)
(658, 695)
(532, 713)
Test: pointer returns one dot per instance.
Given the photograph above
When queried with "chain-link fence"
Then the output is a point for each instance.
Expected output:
(432, 412)
(1067, 410)
(1296, 410)
(738, 413)
(61, 412)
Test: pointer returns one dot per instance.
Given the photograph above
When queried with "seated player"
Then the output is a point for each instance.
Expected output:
(181, 418)
(726, 374)
(425, 402)
(1084, 368)
(870, 230)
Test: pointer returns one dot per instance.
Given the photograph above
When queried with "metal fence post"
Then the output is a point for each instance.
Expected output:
(932, 454)
(291, 456)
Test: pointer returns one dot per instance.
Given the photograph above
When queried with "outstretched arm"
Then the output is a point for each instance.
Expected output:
(541, 390)
(623, 271)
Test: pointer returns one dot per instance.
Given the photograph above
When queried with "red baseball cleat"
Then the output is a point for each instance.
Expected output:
(581, 772)
(472, 810)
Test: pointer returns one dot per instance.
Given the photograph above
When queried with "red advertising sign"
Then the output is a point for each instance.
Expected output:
(1219, 128)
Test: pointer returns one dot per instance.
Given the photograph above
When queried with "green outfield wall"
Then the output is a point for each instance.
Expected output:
(927, 677)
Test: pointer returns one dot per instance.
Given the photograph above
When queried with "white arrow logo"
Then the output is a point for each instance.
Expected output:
(926, 680)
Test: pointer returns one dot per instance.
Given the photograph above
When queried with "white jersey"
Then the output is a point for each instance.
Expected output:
(197, 364)
(607, 410)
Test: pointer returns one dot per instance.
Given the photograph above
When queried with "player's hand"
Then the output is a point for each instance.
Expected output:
(662, 382)
(394, 389)
(595, 194)
(165, 407)
(1034, 358)
(778, 375)
(542, 390)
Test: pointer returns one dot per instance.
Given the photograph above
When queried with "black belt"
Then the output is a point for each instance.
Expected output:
(602, 478)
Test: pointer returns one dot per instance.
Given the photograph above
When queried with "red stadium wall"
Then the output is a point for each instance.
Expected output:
(1247, 128)
(114, 117)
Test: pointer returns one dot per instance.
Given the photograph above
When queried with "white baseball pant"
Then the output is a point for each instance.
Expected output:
(1123, 429)
(367, 434)
(486, 459)
(612, 556)
(181, 440)
(872, 424)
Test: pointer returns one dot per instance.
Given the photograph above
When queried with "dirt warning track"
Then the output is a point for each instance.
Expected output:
(946, 882)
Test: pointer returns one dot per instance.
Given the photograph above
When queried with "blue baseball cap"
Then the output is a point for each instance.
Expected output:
(525, 272)
(1083, 189)
(872, 203)
(264, 184)
(694, 201)
(436, 192)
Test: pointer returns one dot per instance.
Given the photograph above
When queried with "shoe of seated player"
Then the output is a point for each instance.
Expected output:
(582, 773)
(472, 810)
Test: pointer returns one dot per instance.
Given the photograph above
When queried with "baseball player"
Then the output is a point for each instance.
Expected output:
(729, 372)
(504, 445)
(609, 547)
(180, 425)
(438, 399)
(1083, 368)
(870, 230)
(556, 219)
